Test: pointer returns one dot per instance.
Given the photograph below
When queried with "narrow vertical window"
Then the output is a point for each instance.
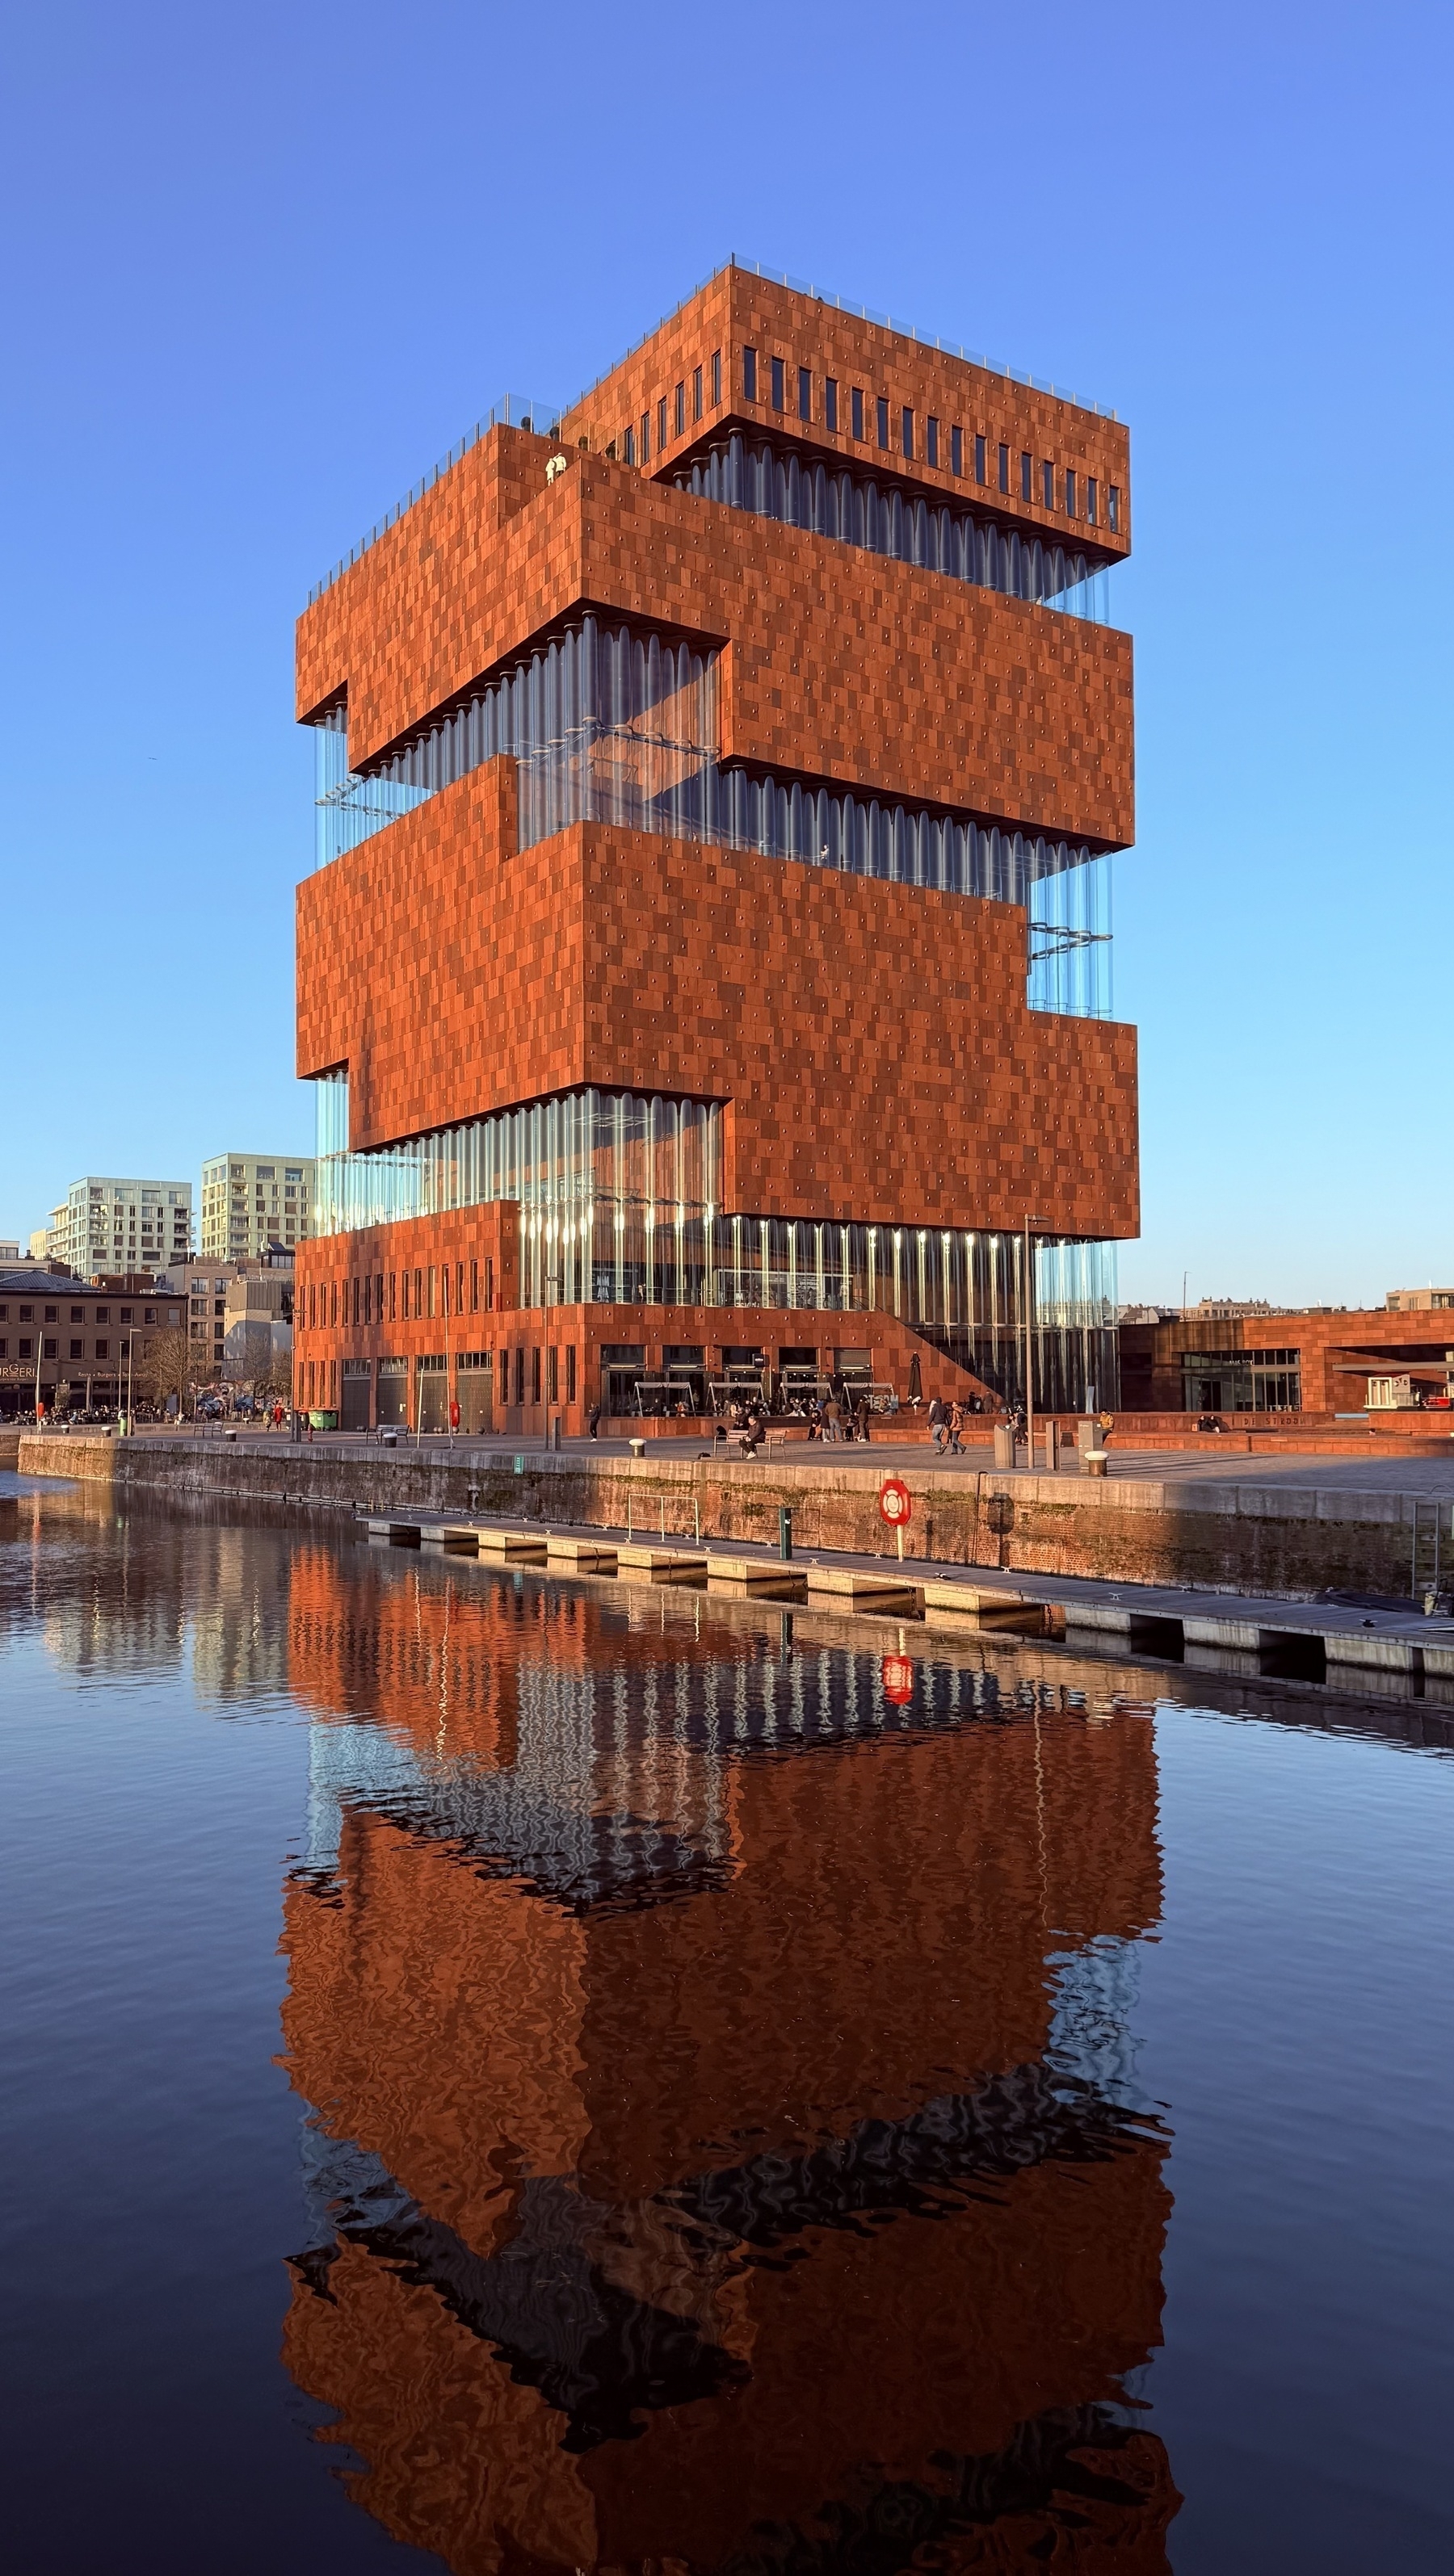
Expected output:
(1026, 477)
(906, 427)
(680, 409)
(749, 374)
(1113, 508)
(1091, 499)
(474, 1287)
(931, 440)
(883, 420)
(980, 469)
(489, 1287)
(716, 378)
(1004, 467)
(646, 438)
(805, 393)
(554, 1379)
(661, 426)
(696, 393)
(857, 410)
(956, 451)
(570, 1372)
(830, 402)
(520, 1374)
(629, 445)
(1070, 491)
(779, 384)
(393, 1293)
(535, 1374)
(1047, 483)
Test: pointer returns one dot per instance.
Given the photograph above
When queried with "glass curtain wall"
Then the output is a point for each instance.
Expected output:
(618, 724)
(890, 518)
(619, 1197)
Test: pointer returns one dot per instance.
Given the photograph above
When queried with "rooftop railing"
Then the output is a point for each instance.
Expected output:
(514, 411)
(518, 411)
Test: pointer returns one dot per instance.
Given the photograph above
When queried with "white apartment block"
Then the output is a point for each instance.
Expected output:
(252, 1200)
(108, 1225)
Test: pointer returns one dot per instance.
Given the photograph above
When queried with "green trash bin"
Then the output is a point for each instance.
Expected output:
(324, 1421)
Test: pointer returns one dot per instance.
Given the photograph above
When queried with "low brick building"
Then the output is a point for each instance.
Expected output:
(1319, 1361)
(66, 1343)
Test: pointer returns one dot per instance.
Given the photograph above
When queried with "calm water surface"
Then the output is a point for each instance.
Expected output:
(529, 2076)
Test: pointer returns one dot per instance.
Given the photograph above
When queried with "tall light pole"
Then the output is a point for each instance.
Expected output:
(1030, 1347)
(130, 1340)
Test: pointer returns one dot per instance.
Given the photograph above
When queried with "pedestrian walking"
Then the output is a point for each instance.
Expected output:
(936, 1422)
(956, 1426)
(593, 1422)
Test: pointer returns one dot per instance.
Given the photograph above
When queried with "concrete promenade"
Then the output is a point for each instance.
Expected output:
(1382, 1474)
(1270, 1528)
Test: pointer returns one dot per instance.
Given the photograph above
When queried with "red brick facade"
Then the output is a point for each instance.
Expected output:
(870, 1041)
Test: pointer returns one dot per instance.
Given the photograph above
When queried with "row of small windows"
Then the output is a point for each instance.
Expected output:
(25, 1350)
(705, 388)
(102, 1315)
(1065, 489)
(436, 1291)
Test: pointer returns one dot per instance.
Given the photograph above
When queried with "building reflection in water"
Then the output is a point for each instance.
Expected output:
(723, 2145)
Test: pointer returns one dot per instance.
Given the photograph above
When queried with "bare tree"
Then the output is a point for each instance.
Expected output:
(273, 1383)
(167, 1364)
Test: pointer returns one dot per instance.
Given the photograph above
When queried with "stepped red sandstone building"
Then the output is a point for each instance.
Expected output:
(706, 974)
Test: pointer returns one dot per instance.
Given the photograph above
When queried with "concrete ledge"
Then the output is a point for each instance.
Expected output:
(755, 1573)
(842, 1583)
(594, 1555)
(1243, 1634)
(1378, 1654)
(1287, 1542)
(661, 1564)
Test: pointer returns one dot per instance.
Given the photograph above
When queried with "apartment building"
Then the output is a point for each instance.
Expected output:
(110, 1225)
(208, 1286)
(252, 1201)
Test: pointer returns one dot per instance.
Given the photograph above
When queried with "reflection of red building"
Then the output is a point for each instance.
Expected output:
(645, 2225)
(707, 957)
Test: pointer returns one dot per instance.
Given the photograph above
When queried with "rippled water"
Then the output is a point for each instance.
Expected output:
(521, 2075)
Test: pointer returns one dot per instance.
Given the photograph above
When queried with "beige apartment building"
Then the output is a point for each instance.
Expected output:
(107, 1225)
(219, 1293)
(250, 1201)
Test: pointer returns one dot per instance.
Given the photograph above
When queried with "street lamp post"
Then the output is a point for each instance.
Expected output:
(1030, 1347)
(126, 1417)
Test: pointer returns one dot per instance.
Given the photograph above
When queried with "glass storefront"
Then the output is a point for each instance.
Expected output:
(619, 1198)
(1241, 1381)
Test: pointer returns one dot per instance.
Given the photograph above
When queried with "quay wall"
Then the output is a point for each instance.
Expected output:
(1271, 1539)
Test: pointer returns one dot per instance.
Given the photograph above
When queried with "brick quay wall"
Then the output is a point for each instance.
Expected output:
(1273, 1539)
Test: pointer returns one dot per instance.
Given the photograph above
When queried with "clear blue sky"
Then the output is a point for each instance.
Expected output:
(265, 265)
